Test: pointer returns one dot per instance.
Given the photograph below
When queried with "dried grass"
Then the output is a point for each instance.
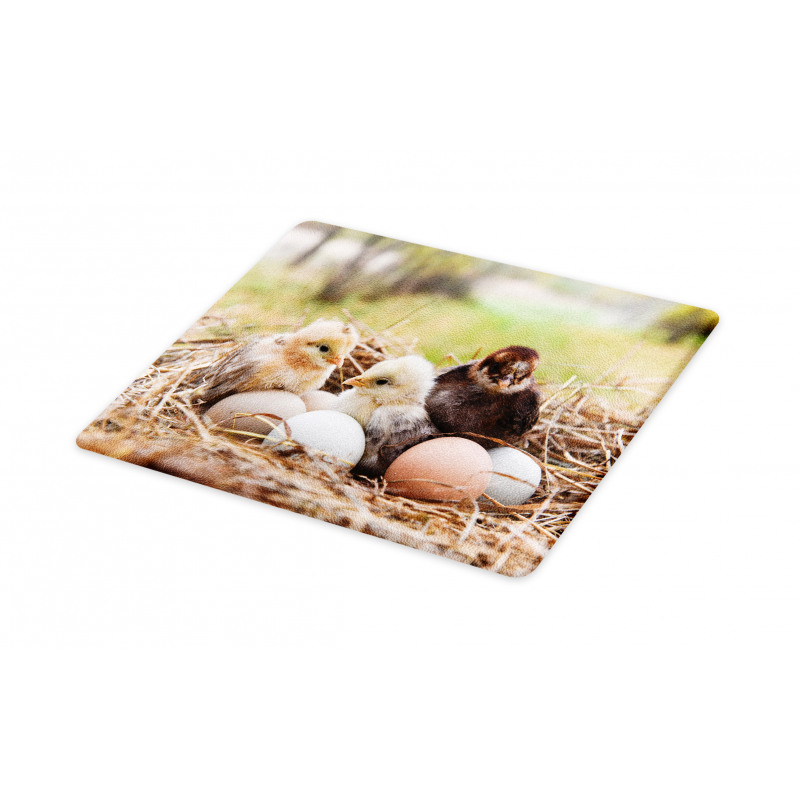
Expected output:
(582, 431)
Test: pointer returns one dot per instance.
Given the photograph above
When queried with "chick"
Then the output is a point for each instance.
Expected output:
(496, 396)
(297, 362)
(389, 402)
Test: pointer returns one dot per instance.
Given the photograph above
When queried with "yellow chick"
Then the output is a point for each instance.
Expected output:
(296, 362)
(388, 400)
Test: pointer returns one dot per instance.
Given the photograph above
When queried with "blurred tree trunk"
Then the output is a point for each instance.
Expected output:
(338, 284)
(329, 231)
(431, 271)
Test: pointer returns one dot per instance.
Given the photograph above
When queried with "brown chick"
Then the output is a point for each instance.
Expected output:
(496, 396)
(296, 362)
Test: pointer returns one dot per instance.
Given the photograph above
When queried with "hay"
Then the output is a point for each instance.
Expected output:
(582, 430)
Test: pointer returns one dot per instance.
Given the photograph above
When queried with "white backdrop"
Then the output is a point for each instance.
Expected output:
(163, 640)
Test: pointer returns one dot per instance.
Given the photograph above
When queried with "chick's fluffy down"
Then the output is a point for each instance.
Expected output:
(388, 400)
(497, 397)
(390, 432)
(295, 362)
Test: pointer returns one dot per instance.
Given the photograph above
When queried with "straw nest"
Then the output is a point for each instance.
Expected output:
(580, 434)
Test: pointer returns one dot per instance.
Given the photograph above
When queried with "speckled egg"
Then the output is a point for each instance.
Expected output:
(318, 400)
(233, 413)
(329, 432)
(525, 476)
(447, 468)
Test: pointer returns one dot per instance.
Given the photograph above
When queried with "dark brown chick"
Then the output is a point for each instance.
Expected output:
(496, 396)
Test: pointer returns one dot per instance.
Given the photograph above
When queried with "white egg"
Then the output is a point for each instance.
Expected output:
(318, 400)
(255, 412)
(329, 432)
(506, 490)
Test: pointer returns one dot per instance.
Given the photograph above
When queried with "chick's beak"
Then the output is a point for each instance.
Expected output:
(337, 362)
(354, 382)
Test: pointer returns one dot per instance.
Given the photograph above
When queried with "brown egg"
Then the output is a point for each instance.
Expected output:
(448, 468)
(232, 412)
(318, 400)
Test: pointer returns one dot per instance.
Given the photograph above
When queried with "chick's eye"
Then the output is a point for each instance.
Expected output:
(323, 348)
(381, 381)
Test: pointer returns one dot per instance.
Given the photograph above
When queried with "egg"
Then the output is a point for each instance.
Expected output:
(329, 432)
(226, 413)
(506, 490)
(318, 400)
(447, 468)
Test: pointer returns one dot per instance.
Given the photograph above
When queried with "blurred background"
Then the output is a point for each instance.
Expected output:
(454, 307)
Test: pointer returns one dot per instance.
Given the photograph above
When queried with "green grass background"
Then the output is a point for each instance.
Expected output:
(272, 297)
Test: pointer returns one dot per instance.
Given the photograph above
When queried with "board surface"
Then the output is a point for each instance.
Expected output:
(605, 358)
